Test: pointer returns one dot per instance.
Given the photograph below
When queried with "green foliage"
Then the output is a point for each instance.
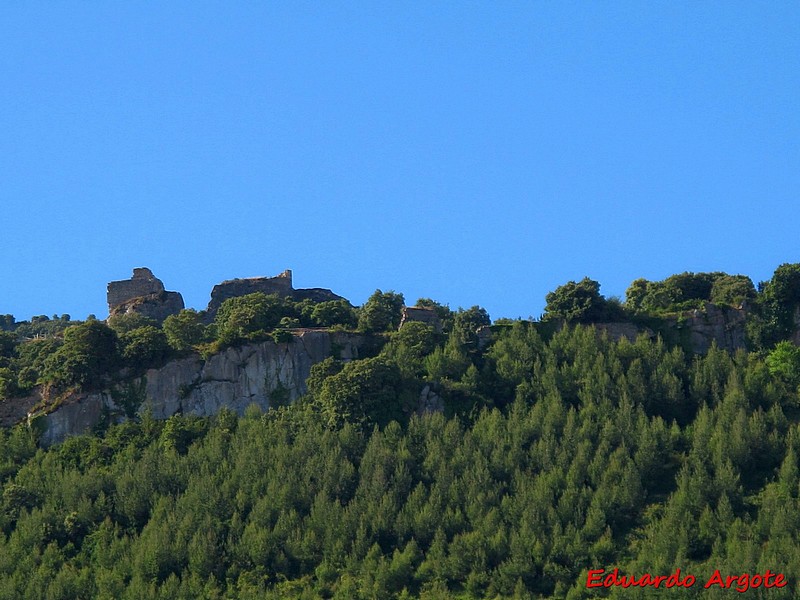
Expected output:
(784, 361)
(773, 318)
(144, 348)
(381, 312)
(602, 453)
(8, 345)
(320, 372)
(687, 291)
(334, 312)
(130, 395)
(784, 287)
(7, 322)
(573, 302)
(448, 363)
(560, 450)
(185, 330)
(466, 324)
(128, 322)
(88, 356)
(8, 383)
(689, 287)
(363, 392)
(409, 346)
(279, 396)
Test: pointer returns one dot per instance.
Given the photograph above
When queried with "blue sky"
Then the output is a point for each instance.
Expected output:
(475, 153)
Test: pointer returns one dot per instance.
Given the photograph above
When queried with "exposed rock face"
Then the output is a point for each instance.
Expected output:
(796, 335)
(315, 295)
(79, 416)
(14, 411)
(421, 314)
(484, 335)
(154, 306)
(429, 401)
(280, 284)
(723, 325)
(262, 373)
(143, 294)
(695, 330)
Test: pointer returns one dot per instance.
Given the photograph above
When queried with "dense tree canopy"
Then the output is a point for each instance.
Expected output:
(88, 354)
(593, 454)
(576, 302)
(381, 312)
(433, 467)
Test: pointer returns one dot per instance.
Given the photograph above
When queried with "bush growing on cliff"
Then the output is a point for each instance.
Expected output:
(732, 290)
(248, 317)
(128, 322)
(334, 312)
(8, 346)
(88, 355)
(364, 392)
(687, 291)
(185, 330)
(409, 346)
(381, 312)
(576, 302)
(773, 317)
(144, 348)
(8, 383)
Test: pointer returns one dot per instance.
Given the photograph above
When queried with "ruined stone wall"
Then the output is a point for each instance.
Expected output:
(143, 294)
(143, 283)
(421, 314)
(281, 285)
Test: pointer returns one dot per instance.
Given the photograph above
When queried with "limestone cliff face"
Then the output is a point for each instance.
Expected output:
(259, 374)
(723, 325)
(694, 330)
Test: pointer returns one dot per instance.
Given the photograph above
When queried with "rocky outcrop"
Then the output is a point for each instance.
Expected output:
(143, 294)
(16, 410)
(421, 314)
(80, 415)
(155, 306)
(315, 295)
(694, 330)
(429, 401)
(263, 374)
(723, 325)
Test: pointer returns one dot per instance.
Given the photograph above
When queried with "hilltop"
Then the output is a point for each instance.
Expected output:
(257, 339)
(292, 445)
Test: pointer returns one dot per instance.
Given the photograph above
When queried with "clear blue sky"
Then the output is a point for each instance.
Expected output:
(475, 153)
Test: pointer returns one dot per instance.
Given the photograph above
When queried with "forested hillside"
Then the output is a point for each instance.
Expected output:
(556, 450)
